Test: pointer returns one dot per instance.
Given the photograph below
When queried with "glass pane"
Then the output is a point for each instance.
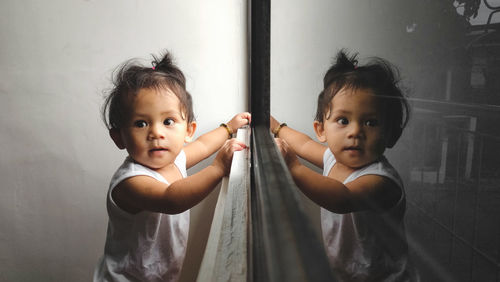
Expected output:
(448, 155)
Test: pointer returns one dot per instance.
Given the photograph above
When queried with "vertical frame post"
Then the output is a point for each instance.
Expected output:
(283, 244)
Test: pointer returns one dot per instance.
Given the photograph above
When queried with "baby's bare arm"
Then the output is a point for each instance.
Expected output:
(369, 192)
(140, 193)
(208, 143)
(302, 144)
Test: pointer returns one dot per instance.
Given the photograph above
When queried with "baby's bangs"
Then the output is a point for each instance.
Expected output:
(181, 94)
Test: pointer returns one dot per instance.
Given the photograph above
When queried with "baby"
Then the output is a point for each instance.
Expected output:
(149, 113)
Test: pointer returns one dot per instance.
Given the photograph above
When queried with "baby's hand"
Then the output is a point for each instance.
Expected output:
(239, 120)
(287, 152)
(224, 157)
(273, 123)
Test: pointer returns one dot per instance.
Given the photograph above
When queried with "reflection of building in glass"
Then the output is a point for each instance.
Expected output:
(453, 167)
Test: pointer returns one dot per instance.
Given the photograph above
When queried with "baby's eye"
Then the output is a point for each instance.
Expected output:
(342, 121)
(168, 121)
(371, 122)
(140, 123)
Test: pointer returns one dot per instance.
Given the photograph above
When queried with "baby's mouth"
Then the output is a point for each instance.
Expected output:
(158, 149)
(352, 148)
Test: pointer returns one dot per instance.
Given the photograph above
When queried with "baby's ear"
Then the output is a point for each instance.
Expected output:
(117, 138)
(319, 128)
(191, 128)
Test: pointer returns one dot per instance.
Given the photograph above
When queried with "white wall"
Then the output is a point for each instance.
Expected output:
(305, 39)
(56, 158)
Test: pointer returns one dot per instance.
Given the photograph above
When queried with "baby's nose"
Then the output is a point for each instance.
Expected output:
(156, 132)
(355, 130)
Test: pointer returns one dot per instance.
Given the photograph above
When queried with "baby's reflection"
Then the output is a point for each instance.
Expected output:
(361, 112)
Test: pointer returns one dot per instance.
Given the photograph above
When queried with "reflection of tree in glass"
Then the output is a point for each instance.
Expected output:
(433, 40)
(438, 24)
(470, 7)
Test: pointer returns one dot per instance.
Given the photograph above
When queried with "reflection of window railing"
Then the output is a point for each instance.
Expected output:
(495, 9)
(456, 187)
(285, 247)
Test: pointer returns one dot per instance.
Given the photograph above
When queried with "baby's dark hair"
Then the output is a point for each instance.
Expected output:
(379, 76)
(131, 77)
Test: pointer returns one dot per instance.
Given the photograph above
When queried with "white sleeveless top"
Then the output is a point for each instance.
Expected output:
(367, 245)
(146, 246)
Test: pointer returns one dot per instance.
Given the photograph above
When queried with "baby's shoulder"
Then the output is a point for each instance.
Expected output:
(381, 168)
(129, 169)
(384, 190)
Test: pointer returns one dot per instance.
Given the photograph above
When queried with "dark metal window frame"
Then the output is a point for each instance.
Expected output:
(283, 244)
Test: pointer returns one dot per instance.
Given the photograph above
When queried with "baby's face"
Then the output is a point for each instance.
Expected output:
(156, 129)
(354, 129)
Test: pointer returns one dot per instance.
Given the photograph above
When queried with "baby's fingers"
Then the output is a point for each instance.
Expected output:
(240, 120)
(282, 145)
(287, 152)
(246, 116)
(236, 144)
(225, 155)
